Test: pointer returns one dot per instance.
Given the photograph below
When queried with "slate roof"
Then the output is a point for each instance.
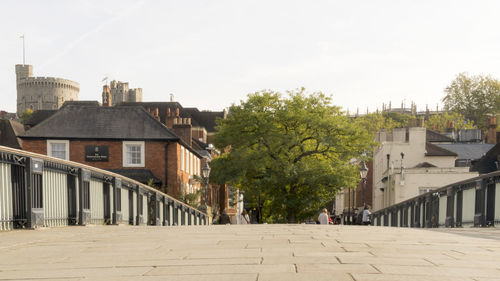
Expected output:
(9, 132)
(38, 116)
(487, 163)
(425, 165)
(433, 136)
(198, 118)
(469, 151)
(90, 121)
(434, 150)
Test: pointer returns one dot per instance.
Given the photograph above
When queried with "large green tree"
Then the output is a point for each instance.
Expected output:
(475, 97)
(454, 120)
(292, 151)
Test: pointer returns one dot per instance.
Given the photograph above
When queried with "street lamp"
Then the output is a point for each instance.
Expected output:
(363, 172)
(206, 173)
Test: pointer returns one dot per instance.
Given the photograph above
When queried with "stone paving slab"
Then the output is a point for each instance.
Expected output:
(250, 253)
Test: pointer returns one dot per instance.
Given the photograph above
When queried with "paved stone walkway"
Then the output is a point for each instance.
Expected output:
(249, 253)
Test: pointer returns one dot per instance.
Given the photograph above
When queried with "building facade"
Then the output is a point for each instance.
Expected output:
(124, 140)
(406, 165)
(37, 93)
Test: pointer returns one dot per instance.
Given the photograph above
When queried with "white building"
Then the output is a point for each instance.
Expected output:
(406, 165)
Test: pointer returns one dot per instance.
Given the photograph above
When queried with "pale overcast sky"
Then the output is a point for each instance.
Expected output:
(212, 53)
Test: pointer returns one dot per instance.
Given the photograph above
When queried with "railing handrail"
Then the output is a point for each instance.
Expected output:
(441, 189)
(94, 169)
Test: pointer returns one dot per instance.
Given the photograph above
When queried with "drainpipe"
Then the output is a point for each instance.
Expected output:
(166, 166)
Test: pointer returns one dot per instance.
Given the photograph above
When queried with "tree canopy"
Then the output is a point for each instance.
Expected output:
(454, 120)
(473, 96)
(293, 152)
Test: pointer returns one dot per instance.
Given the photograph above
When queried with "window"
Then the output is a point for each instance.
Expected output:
(58, 149)
(182, 158)
(133, 154)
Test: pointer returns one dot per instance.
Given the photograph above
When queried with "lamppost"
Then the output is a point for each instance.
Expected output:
(206, 174)
(205, 171)
(363, 172)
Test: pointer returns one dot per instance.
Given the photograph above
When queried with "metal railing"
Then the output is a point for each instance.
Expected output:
(37, 190)
(472, 202)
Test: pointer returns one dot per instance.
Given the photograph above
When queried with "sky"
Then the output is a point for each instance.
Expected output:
(211, 54)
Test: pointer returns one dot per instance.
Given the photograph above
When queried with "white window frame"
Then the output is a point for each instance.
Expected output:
(124, 153)
(182, 158)
(49, 147)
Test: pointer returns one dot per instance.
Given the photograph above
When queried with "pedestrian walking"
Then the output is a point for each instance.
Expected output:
(366, 216)
(224, 218)
(244, 218)
(323, 217)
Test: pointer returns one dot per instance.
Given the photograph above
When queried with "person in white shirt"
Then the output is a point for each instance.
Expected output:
(366, 216)
(244, 218)
(323, 217)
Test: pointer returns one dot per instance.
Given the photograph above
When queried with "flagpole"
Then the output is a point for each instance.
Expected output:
(24, 58)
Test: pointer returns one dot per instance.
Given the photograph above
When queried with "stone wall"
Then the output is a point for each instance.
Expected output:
(42, 92)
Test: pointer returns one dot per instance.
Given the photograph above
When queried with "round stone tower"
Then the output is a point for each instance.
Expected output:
(42, 92)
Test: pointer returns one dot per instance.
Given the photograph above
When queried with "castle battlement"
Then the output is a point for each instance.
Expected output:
(48, 82)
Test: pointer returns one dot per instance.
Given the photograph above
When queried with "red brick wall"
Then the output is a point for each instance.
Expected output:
(175, 175)
(154, 154)
(36, 146)
(154, 159)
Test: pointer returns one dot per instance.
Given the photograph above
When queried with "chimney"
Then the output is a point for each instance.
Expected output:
(420, 122)
(182, 128)
(491, 136)
(156, 114)
(106, 96)
(412, 122)
(169, 118)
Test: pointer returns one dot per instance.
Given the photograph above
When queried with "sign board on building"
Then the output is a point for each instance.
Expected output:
(96, 153)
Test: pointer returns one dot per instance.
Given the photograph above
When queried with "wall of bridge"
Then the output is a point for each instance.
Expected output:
(41, 191)
(471, 202)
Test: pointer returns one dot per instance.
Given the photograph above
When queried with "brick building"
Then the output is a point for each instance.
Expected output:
(126, 140)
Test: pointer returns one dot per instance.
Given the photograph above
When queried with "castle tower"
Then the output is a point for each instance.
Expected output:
(120, 92)
(106, 96)
(23, 71)
(42, 92)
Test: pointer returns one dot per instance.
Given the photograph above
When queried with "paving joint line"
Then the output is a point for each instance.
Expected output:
(379, 271)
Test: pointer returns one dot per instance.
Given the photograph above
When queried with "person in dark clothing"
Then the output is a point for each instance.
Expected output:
(224, 218)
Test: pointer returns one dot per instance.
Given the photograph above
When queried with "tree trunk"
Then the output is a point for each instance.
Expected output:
(291, 216)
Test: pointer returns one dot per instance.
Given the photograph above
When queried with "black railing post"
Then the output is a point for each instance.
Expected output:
(450, 206)
(490, 202)
(117, 183)
(169, 203)
(84, 196)
(164, 210)
(479, 218)
(428, 211)
(183, 215)
(175, 214)
(28, 191)
(460, 201)
(139, 205)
